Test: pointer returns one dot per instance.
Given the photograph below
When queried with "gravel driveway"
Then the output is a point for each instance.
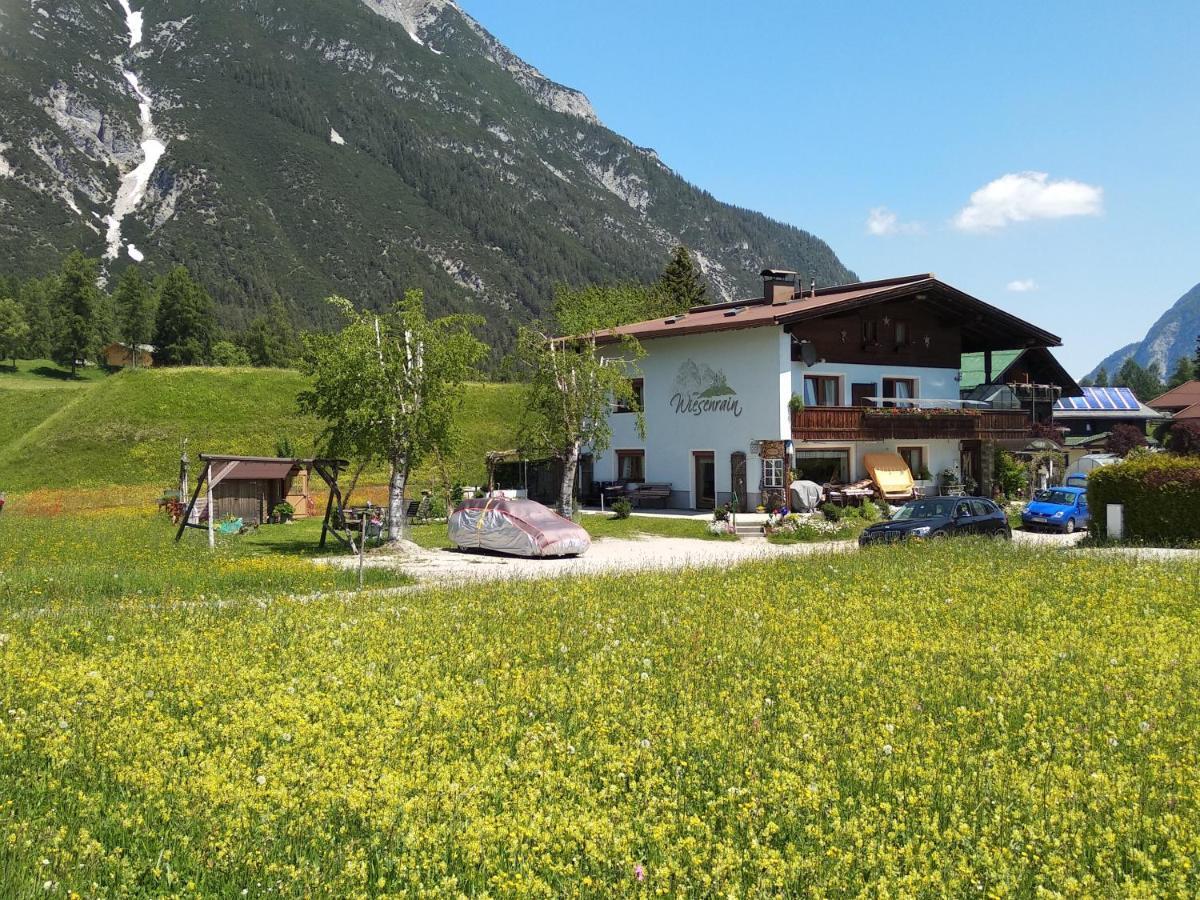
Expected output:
(646, 553)
(605, 555)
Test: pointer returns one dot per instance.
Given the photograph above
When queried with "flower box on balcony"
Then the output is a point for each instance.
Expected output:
(910, 412)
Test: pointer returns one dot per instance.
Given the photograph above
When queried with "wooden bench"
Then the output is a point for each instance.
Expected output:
(648, 493)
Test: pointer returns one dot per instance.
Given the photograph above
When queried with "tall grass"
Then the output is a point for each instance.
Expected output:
(968, 719)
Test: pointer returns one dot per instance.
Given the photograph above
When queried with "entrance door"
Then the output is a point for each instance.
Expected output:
(969, 465)
(860, 392)
(706, 480)
(737, 478)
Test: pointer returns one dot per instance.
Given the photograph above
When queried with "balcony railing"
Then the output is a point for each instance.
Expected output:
(860, 423)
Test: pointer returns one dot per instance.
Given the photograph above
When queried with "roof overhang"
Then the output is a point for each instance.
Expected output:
(984, 327)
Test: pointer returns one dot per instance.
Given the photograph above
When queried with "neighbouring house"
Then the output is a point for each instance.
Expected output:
(1030, 379)
(740, 397)
(122, 356)
(1181, 403)
(1100, 409)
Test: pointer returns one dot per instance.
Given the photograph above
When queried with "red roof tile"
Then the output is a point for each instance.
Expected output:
(1186, 394)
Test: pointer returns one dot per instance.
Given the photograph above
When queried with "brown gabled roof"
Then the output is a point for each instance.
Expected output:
(985, 327)
(1187, 394)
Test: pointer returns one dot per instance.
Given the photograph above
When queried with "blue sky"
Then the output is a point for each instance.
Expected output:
(817, 114)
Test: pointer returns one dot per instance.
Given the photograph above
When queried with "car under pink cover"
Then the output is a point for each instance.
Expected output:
(516, 527)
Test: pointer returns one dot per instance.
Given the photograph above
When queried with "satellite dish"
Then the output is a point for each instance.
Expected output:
(808, 353)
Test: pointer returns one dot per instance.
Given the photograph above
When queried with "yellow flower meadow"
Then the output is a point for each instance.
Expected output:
(914, 721)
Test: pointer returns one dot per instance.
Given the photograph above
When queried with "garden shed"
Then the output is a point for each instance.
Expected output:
(250, 487)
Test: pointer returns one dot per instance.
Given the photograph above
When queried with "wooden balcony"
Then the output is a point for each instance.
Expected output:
(860, 423)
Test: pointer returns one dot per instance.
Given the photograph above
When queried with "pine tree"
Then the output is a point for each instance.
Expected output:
(1184, 372)
(683, 282)
(136, 308)
(1146, 383)
(271, 340)
(184, 327)
(34, 297)
(73, 312)
(14, 330)
(1101, 379)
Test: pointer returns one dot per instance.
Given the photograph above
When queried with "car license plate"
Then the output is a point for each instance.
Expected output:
(1041, 519)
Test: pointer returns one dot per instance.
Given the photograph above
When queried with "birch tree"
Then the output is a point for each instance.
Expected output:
(389, 386)
(573, 383)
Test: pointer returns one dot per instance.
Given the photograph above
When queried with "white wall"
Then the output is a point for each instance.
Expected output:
(756, 364)
(938, 384)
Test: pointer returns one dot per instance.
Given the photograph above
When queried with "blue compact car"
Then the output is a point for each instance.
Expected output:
(1062, 509)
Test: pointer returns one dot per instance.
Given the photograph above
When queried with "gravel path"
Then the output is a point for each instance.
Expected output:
(605, 555)
(651, 553)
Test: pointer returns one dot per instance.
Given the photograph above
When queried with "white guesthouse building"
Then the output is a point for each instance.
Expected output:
(741, 397)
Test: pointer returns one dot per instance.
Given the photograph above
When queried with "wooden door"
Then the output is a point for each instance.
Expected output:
(737, 479)
(706, 480)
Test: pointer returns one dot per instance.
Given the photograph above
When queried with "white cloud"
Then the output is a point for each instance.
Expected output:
(1022, 285)
(1020, 196)
(882, 222)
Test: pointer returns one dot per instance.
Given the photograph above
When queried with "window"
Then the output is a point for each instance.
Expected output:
(822, 390)
(638, 398)
(914, 458)
(823, 466)
(772, 473)
(870, 333)
(631, 466)
(901, 334)
(899, 389)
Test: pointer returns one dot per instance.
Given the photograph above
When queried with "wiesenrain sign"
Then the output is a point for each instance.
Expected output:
(700, 390)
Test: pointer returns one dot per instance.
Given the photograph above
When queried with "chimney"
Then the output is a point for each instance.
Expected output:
(779, 285)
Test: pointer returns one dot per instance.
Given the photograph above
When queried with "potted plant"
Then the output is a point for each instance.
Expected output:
(283, 512)
(796, 404)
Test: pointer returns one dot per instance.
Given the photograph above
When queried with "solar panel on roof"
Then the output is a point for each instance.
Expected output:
(1098, 398)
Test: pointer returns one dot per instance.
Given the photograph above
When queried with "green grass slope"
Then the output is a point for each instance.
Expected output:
(127, 429)
(32, 392)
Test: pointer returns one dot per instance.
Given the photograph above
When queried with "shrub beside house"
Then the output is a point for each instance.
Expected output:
(1160, 493)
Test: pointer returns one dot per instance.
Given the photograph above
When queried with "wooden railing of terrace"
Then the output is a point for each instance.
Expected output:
(860, 423)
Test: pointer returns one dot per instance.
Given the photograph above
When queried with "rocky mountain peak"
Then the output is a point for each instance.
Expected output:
(424, 19)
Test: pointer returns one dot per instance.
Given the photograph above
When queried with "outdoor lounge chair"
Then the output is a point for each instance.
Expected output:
(891, 475)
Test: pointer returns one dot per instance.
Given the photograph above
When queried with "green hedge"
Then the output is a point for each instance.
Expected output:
(1161, 495)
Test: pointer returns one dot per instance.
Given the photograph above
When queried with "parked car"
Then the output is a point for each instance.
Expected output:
(516, 527)
(940, 517)
(1062, 509)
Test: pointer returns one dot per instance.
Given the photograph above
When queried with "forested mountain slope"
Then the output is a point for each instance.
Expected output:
(350, 146)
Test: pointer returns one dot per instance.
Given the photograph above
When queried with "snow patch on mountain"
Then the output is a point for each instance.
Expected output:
(133, 22)
(416, 16)
(6, 169)
(335, 138)
(134, 183)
